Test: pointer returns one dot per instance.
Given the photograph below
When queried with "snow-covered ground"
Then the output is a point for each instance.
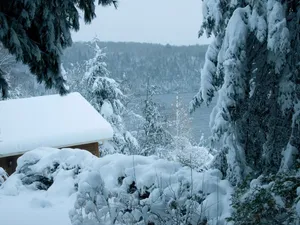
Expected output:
(35, 208)
(47, 182)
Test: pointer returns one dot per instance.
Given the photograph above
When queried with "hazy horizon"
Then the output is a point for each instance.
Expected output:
(135, 42)
(169, 22)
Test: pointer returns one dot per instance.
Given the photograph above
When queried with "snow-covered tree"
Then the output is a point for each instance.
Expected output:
(183, 119)
(105, 95)
(7, 61)
(253, 65)
(36, 32)
(155, 136)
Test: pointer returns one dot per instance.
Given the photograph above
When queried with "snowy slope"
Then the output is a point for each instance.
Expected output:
(61, 173)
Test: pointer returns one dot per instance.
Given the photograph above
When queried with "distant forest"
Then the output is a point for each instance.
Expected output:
(170, 68)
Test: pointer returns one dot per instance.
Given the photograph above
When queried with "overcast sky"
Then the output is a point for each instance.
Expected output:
(156, 21)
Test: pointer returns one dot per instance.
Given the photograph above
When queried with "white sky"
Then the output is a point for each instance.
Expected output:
(175, 22)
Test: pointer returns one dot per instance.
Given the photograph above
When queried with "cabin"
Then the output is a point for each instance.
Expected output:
(49, 121)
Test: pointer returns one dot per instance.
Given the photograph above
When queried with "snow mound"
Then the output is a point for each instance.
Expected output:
(120, 188)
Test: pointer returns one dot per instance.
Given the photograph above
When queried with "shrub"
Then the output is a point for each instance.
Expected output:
(3, 175)
(267, 200)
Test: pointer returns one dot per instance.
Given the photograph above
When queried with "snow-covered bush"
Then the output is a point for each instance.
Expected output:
(181, 150)
(91, 204)
(122, 189)
(272, 199)
(190, 155)
(3, 175)
(147, 190)
(49, 168)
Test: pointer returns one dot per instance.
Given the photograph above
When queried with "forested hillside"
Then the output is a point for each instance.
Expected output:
(170, 68)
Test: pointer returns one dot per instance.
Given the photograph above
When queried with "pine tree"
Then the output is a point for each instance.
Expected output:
(105, 95)
(253, 65)
(7, 61)
(155, 136)
(36, 32)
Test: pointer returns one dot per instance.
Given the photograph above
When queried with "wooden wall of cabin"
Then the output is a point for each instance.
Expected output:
(92, 148)
(9, 164)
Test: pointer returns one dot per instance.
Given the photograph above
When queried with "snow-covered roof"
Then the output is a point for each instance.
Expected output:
(53, 121)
